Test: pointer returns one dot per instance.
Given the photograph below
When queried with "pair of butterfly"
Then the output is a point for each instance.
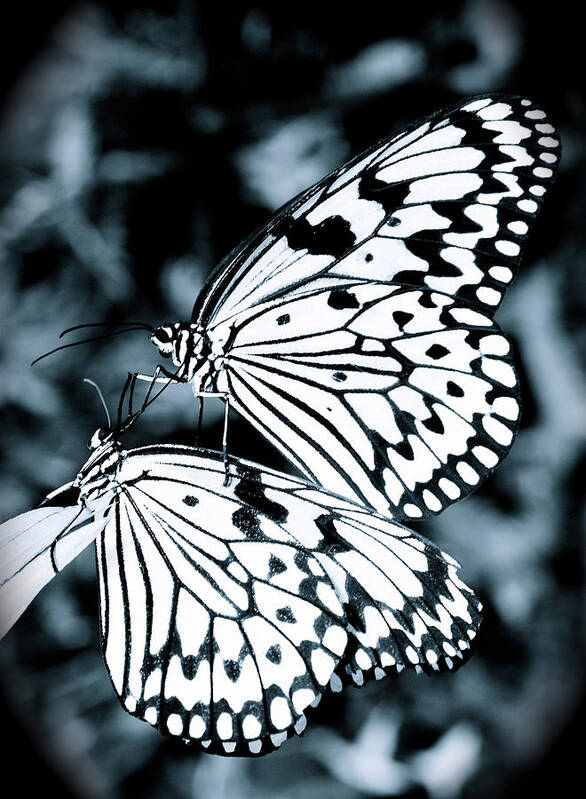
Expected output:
(355, 331)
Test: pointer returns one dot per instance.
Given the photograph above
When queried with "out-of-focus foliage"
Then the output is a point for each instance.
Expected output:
(142, 145)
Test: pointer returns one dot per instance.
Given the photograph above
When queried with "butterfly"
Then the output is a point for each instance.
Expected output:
(227, 610)
(355, 329)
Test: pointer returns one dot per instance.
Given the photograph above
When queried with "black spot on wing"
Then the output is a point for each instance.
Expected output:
(331, 542)
(232, 669)
(474, 337)
(331, 236)
(190, 500)
(354, 618)
(436, 351)
(246, 520)
(283, 319)
(300, 560)
(410, 277)
(454, 389)
(440, 268)
(276, 566)
(274, 653)
(426, 300)
(341, 299)
(250, 489)
(404, 449)
(286, 614)
(189, 665)
(434, 424)
(402, 318)
(389, 195)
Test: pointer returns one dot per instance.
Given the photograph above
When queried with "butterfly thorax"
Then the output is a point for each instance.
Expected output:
(97, 476)
(197, 354)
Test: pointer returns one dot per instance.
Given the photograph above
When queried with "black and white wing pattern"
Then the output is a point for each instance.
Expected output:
(402, 399)
(445, 205)
(228, 610)
(37, 545)
(355, 330)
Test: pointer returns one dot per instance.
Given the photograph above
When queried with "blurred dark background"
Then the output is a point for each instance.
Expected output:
(139, 143)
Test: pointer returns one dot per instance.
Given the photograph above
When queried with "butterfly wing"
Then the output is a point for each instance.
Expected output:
(446, 205)
(404, 399)
(358, 323)
(217, 625)
(226, 609)
(37, 545)
(406, 606)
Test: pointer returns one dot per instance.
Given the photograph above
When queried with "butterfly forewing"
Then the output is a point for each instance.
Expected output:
(446, 205)
(37, 545)
(218, 625)
(227, 610)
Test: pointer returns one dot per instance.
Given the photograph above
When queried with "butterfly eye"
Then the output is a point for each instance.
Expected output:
(162, 335)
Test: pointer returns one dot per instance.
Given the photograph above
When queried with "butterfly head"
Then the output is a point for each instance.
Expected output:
(101, 436)
(163, 337)
(182, 342)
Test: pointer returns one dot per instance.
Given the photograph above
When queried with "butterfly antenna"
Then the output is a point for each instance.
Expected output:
(101, 396)
(84, 341)
(130, 325)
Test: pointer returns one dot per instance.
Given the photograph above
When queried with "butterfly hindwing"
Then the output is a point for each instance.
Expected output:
(406, 605)
(227, 609)
(401, 398)
(404, 601)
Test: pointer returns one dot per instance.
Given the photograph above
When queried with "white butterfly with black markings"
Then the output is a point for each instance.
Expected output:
(227, 610)
(355, 329)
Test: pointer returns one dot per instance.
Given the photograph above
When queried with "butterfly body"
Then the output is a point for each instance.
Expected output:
(98, 474)
(355, 329)
(198, 354)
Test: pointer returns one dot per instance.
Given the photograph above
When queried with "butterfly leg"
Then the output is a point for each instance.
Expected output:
(128, 395)
(149, 391)
(226, 398)
(156, 376)
(199, 420)
(169, 377)
(128, 385)
(131, 387)
(225, 440)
